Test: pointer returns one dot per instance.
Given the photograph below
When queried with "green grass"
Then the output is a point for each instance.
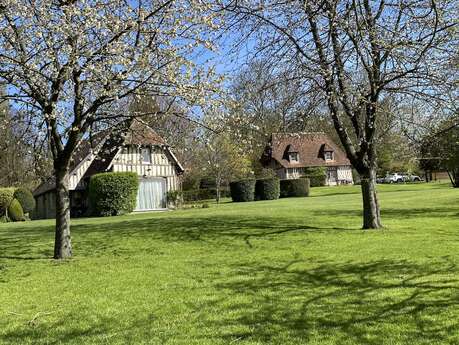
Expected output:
(292, 271)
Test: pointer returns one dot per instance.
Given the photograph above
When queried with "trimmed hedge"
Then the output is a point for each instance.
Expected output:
(6, 196)
(15, 211)
(294, 188)
(267, 189)
(25, 197)
(204, 194)
(243, 190)
(114, 193)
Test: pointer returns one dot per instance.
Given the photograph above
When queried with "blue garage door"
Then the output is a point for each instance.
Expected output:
(151, 194)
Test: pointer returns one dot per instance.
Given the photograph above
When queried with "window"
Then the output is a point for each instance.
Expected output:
(328, 155)
(293, 156)
(146, 156)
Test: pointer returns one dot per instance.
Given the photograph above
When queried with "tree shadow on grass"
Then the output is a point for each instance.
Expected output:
(101, 329)
(108, 237)
(345, 303)
(396, 213)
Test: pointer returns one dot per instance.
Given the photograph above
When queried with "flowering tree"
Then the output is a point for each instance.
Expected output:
(222, 159)
(69, 62)
(357, 52)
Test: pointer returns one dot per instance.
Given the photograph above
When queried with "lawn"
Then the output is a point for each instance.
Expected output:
(291, 271)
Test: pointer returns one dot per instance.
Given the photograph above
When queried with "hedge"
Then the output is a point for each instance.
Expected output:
(267, 189)
(25, 198)
(204, 194)
(243, 190)
(15, 211)
(6, 196)
(112, 194)
(294, 188)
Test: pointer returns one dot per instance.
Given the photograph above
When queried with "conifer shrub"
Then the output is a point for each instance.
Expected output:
(25, 198)
(317, 176)
(6, 196)
(15, 211)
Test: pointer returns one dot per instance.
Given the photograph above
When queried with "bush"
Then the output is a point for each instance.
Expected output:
(25, 198)
(267, 189)
(6, 196)
(293, 188)
(15, 211)
(243, 190)
(204, 194)
(112, 194)
(174, 198)
(317, 176)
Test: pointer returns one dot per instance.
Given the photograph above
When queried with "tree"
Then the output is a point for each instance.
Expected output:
(357, 52)
(220, 158)
(23, 157)
(440, 150)
(71, 63)
(266, 101)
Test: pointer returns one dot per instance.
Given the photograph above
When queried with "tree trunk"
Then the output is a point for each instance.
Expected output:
(454, 177)
(371, 211)
(217, 189)
(62, 241)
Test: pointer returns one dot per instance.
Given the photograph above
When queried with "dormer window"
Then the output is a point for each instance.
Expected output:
(293, 156)
(328, 155)
(146, 155)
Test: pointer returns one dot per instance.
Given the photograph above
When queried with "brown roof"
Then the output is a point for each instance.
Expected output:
(310, 148)
(140, 133)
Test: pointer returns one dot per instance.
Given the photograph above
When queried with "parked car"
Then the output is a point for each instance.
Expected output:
(395, 178)
(401, 177)
(415, 178)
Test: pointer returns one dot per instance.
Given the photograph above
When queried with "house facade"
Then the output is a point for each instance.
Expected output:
(139, 149)
(290, 155)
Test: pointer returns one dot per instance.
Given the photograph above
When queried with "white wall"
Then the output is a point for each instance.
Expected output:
(162, 165)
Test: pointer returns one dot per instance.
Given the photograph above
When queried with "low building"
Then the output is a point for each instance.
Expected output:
(290, 155)
(139, 149)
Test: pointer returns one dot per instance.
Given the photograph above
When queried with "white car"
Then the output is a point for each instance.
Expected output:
(395, 178)
(400, 177)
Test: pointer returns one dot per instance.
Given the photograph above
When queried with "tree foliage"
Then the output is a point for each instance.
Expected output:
(356, 53)
(440, 150)
(70, 64)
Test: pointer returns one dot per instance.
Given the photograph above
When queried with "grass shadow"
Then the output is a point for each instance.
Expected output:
(357, 303)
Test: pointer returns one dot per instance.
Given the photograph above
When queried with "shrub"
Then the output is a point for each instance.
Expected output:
(204, 194)
(293, 188)
(6, 196)
(267, 189)
(317, 176)
(205, 205)
(113, 193)
(15, 211)
(243, 190)
(26, 199)
(174, 198)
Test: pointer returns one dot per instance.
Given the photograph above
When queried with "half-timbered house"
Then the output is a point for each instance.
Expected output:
(139, 149)
(291, 154)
